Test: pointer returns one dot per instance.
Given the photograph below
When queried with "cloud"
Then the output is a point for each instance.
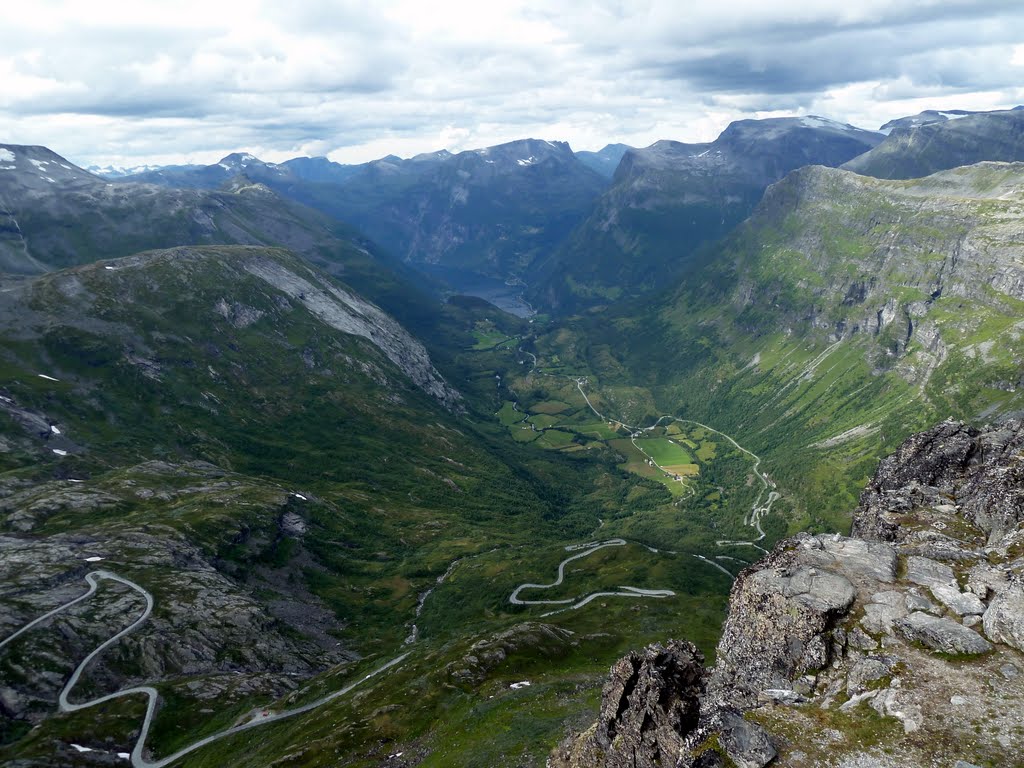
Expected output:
(148, 81)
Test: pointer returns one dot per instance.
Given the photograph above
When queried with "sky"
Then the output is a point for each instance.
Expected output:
(189, 81)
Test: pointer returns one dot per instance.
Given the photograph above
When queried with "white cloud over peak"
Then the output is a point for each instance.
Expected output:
(148, 81)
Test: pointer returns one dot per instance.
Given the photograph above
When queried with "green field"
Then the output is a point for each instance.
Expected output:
(543, 420)
(550, 407)
(665, 452)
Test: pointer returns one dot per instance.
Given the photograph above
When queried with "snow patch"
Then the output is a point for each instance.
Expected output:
(59, 452)
(80, 748)
(521, 684)
(48, 378)
(224, 166)
(52, 181)
(6, 156)
(124, 755)
(528, 161)
(54, 430)
(73, 480)
(8, 167)
(93, 559)
(299, 496)
(811, 121)
(951, 116)
(108, 267)
(40, 164)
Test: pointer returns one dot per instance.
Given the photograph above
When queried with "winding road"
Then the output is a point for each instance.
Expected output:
(758, 509)
(137, 755)
(574, 603)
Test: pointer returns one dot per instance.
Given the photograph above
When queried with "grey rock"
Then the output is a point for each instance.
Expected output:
(984, 580)
(779, 625)
(916, 602)
(747, 744)
(893, 702)
(874, 561)
(880, 617)
(649, 705)
(961, 603)
(929, 573)
(866, 670)
(1004, 619)
(782, 696)
(942, 634)
(859, 639)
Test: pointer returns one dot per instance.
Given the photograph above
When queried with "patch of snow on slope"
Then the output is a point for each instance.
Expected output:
(812, 121)
(40, 164)
(528, 161)
(8, 167)
(951, 116)
(6, 156)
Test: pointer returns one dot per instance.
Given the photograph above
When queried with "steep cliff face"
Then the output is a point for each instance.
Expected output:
(900, 645)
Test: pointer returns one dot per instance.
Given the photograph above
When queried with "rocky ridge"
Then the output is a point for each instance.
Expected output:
(936, 141)
(668, 199)
(902, 644)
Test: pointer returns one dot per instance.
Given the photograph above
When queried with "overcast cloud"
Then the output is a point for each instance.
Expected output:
(189, 81)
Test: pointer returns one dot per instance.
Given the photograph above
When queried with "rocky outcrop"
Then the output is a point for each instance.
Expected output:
(900, 645)
(352, 314)
(649, 706)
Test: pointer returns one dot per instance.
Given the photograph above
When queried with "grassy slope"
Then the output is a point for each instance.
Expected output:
(397, 489)
(776, 339)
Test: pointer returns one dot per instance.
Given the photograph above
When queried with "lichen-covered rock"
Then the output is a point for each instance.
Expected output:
(1004, 619)
(780, 615)
(942, 634)
(649, 706)
(980, 470)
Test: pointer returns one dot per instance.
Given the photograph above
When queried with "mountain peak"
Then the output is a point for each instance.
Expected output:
(35, 166)
(239, 160)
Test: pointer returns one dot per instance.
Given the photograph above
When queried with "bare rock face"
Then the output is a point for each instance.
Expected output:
(778, 627)
(916, 620)
(649, 706)
(980, 469)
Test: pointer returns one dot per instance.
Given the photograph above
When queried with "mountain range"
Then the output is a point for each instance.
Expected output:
(253, 433)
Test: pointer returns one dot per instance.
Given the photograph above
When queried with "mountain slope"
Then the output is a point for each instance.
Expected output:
(845, 313)
(285, 473)
(920, 148)
(899, 646)
(605, 160)
(670, 198)
(490, 211)
(53, 215)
